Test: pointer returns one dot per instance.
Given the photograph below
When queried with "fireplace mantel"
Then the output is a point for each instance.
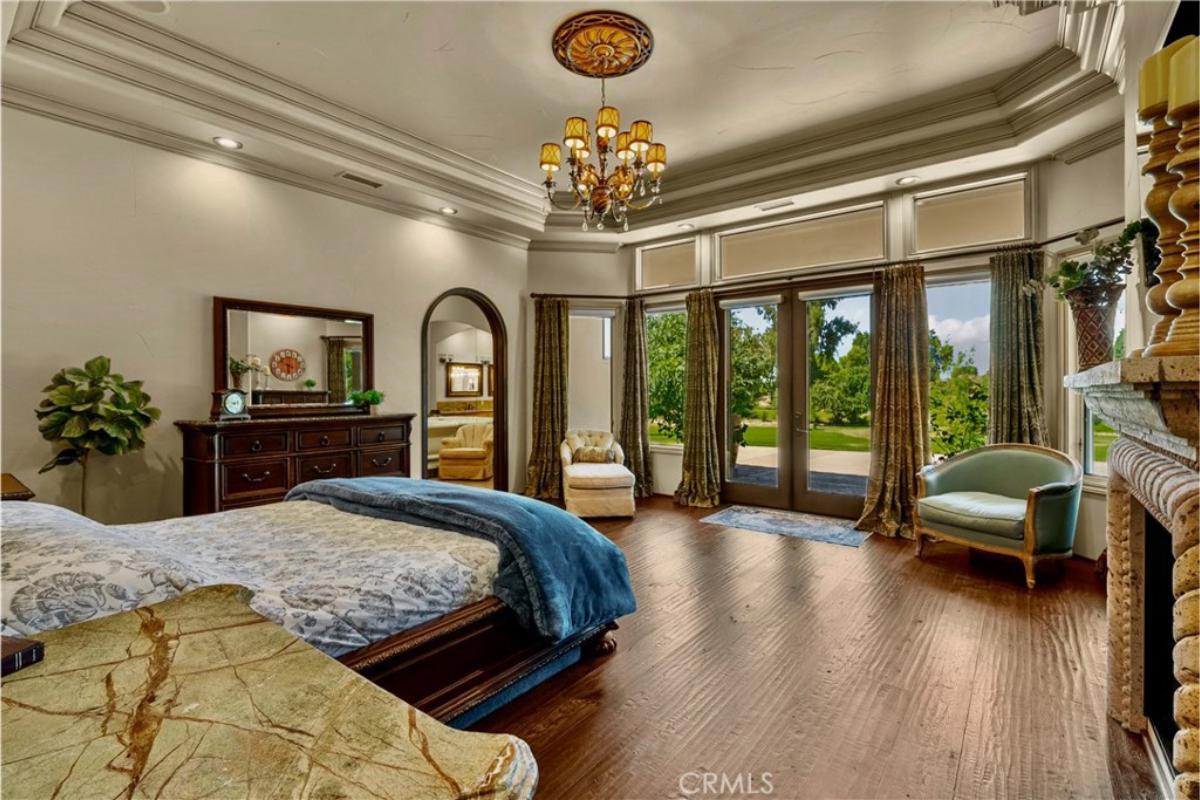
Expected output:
(1153, 405)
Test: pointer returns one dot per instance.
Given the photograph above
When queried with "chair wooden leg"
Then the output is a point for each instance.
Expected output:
(920, 543)
(1030, 578)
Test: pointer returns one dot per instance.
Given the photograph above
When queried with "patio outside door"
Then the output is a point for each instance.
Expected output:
(797, 383)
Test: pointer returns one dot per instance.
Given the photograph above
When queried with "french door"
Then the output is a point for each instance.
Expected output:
(796, 384)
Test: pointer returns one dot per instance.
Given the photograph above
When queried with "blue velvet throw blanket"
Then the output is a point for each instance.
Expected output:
(557, 573)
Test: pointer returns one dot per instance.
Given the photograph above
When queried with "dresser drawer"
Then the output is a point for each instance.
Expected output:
(323, 439)
(388, 461)
(250, 444)
(383, 434)
(311, 468)
(257, 478)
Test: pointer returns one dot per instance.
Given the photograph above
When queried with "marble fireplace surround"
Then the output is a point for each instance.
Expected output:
(1152, 403)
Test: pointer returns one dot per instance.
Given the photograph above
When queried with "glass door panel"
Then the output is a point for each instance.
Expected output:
(757, 456)
(833, 424)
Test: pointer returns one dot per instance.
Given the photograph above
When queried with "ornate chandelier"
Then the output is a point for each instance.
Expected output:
(605, 44)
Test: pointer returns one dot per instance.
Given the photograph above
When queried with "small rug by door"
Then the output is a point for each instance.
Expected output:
(789, 523)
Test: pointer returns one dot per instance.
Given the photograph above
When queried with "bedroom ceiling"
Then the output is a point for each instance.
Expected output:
(445, 103)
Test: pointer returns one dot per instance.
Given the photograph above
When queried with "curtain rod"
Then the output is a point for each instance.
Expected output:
(767, 281)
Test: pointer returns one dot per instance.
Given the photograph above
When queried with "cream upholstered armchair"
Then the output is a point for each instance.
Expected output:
(595, 480)
(468, 454)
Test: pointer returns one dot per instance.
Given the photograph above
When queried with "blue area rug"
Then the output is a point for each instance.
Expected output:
(789, 523)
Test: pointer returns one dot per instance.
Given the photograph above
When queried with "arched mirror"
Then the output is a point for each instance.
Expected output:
(464, 399)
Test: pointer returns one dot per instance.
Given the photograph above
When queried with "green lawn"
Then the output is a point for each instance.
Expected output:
(1102, 438)
(824, 437)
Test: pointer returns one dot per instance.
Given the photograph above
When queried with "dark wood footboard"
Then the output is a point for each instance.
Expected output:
(452, 664)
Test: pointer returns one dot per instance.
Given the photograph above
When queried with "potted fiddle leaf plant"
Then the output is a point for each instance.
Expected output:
(90, 409)
(367, 398)
(1092, 288)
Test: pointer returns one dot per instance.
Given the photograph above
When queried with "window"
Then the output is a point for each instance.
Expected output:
(959, 356)
(964, 217)
(663, 266)
(830, 239)
(589, 397)
(666, 355)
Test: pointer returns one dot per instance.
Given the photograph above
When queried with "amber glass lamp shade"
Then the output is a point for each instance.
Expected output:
(640, 134)
(587, 179)
(656, 158)
(608, 122)
(551, 157)
(623, 150)
(575, 133)
(622, 182)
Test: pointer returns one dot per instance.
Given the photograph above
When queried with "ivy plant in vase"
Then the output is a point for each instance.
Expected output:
(1092, 289)
(93, 409)
(367, 398)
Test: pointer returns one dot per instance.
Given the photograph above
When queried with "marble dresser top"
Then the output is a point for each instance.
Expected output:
(201, 697)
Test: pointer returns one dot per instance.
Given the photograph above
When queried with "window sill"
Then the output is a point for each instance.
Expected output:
(1095, 484)
(675, 449)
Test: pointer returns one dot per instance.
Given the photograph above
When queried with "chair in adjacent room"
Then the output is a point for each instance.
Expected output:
(1013, 499)
(467, 455)
(595, 481)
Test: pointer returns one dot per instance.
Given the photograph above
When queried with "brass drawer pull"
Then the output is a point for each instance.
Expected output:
(382, 437)
(320, 471)
(256, 446)
(383, 463)
(324, 441)
(246, 477)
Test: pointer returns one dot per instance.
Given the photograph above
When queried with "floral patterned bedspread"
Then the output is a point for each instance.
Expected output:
(337, 580)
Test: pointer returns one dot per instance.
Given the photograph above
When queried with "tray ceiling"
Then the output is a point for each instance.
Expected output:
(446, 102)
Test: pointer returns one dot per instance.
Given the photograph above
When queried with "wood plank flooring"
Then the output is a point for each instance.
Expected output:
(843, 672)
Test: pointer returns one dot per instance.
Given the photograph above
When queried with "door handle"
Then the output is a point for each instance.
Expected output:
(798, 425)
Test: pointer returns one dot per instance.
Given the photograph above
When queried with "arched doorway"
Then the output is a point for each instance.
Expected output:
(450, 399)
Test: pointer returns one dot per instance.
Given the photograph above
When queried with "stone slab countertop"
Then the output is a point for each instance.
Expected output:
(201, 697)
(1137, 370)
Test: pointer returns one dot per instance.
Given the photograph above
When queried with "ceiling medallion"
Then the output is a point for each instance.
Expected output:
(605, 44)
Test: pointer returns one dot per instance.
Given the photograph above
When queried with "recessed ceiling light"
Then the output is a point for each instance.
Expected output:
(687, 226)
(907, 180)
(448, 211)
(227, 143)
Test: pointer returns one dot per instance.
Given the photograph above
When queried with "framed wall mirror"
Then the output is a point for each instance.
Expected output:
(292, 360)
(464, 380)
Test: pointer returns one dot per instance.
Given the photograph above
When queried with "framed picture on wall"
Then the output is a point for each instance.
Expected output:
(464, 379)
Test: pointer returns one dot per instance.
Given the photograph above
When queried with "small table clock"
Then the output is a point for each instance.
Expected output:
(229, 404)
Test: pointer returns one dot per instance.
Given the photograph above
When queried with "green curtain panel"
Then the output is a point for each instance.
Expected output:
(551, 316)
(1016, 412)
(900, 406)
(634, 434)
(335, 368)
(701, 484)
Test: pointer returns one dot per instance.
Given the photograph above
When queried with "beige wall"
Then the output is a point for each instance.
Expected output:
(589, 396)
(117, 248)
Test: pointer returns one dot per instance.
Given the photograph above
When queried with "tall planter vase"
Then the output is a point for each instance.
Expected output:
(1094, 310)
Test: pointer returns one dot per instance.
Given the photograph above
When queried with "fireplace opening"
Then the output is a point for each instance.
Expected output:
(1158, 685)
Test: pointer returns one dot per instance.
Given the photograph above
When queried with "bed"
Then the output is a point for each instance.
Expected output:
(430, 613)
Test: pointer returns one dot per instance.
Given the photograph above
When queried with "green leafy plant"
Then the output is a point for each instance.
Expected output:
(310, 384)
(366, 397)
(1110, 263)
(93, 409)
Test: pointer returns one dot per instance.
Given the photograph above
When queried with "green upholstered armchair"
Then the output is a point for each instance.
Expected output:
(1015, 499)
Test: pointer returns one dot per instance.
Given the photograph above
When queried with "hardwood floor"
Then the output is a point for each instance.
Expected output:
(843, 672)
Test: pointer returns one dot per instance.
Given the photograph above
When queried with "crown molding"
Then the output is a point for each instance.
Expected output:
(141, 61)
(574, 246)
(1091, 144)
(164, 140)
(1094, 30)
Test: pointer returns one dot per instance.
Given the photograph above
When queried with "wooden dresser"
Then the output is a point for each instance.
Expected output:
(239, 463)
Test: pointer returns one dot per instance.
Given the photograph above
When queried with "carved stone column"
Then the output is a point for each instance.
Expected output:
(1126, 521)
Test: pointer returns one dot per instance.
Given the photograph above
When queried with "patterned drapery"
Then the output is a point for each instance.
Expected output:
(634, 434)
(1016, 412)
(900, 406)
(551, 354)
(335, 367)
(701, 484)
